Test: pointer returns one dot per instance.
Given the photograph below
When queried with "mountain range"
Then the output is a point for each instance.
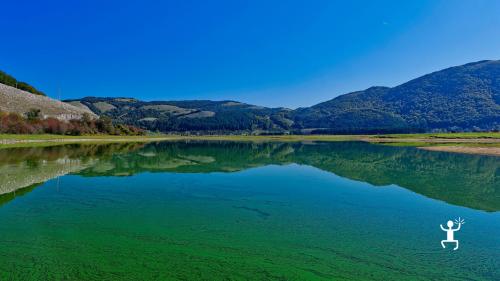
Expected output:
(460, 98)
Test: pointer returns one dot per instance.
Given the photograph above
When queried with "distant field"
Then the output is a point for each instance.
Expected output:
(442, 139)
(489, 135)
(61, 137)
(446, 135)
(469, 143)
(13, 140)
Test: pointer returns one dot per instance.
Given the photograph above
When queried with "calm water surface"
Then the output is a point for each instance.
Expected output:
(246, 211)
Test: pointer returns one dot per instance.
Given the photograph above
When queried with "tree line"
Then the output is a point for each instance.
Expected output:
(13, 82)
(31, 123)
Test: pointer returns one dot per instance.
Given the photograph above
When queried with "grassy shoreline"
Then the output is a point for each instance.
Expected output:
(482, 143)
(484, 135)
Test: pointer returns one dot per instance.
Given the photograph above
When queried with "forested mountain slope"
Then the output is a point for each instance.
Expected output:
(461, 98)
(193, 116)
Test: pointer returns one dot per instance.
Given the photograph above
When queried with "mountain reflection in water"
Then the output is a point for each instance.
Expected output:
(467, 180)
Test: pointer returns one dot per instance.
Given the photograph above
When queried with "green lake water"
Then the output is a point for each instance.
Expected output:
(246, 211)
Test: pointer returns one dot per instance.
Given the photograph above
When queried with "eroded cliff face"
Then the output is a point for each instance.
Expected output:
(18, 101)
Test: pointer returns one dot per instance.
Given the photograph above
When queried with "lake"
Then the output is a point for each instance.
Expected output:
(246, 211)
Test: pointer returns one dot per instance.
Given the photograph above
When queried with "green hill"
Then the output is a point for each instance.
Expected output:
(192, 116)
(461, 98)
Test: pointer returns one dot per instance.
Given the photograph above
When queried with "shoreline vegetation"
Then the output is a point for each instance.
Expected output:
(469, 143)
(33, 123)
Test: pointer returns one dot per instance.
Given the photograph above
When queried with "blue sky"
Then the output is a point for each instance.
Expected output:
(273, 53)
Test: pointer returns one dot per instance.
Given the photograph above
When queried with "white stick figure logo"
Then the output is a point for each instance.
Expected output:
(450, 231)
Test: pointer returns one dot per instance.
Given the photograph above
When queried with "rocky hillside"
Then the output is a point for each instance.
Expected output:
(19, 101)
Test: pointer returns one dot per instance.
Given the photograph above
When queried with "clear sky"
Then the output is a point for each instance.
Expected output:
(273, 53)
